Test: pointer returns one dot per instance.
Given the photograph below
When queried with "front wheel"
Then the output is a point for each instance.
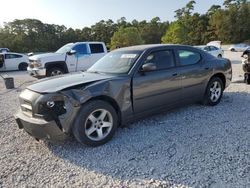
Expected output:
(214, 92)
(55, 71)
(96, 123)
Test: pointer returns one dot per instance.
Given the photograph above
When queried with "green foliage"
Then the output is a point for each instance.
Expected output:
(128, 36)
(174, 34)
(229, 23)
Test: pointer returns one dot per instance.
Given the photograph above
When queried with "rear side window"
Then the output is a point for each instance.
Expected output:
(81, 49)
(213, 48)
(12, 56)
(187, 57)
(162, 59)
(96, 48)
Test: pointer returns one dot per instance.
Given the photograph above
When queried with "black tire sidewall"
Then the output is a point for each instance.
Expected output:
(78, 129)
(207, 100)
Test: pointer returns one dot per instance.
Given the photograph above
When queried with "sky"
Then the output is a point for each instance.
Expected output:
(81, 13)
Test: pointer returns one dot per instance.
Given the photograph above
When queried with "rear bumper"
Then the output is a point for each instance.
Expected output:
(39, 128)
(37, 72)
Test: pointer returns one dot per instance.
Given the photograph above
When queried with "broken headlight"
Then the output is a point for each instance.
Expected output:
(52, 107)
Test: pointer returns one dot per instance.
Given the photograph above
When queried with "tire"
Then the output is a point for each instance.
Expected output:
(54, 71)
(23, 66)
(248, 81)
(219, 56)
(247, 78)
(233, 50)
(90, 128)
(214, 92)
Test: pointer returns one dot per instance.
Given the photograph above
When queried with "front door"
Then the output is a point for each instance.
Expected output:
(83, 56)
(80, 60)
(158, 88)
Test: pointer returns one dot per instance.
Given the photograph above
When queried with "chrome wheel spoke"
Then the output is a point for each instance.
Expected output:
(106, 124)
(92, 118)
(90, 130)
(215, 85)
(103, 115)
(99, 133)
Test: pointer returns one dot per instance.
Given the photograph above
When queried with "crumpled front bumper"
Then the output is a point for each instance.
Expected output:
(37, 72)
(39, 128)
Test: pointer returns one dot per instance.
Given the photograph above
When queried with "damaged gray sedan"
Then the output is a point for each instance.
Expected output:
(125, 85)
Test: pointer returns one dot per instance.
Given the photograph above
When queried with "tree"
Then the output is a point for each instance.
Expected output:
(174, 34)
(126, 37)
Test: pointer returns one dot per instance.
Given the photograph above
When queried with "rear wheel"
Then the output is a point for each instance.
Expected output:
(232, 50)
(219, 56)
(96, 123)
(23, 66)
(55, 71)
(214, 92)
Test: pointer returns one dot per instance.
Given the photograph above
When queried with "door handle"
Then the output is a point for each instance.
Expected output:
(207, 68)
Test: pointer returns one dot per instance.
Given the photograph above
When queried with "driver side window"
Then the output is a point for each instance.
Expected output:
(81, 49)
(163, 59)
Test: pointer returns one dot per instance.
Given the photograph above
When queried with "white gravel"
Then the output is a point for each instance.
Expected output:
(194, 146)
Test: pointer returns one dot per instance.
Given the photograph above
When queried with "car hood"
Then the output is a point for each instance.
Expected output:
(51, 56)
(58, 83)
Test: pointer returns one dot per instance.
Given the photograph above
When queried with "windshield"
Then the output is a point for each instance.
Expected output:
(66, 48)
(117, 62)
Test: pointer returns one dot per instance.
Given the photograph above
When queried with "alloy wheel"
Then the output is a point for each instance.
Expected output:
(215, 91)
(56, 72)
(98, 124)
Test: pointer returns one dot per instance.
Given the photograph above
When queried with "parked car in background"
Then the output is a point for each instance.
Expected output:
(13, 61)
(69, 58)
(239, 47)
(217, 52)
(216, 43)
(127, 84)
(2, 50)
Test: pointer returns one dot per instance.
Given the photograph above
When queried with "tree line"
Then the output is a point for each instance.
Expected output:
(229, 23)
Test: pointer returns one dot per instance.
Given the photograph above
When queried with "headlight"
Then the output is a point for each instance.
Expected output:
(37, 65)
(38, 61)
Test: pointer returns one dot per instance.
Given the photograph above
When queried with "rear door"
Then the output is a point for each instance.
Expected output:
(194, 74)
(12, 61)
(97, 51)
(157, 88)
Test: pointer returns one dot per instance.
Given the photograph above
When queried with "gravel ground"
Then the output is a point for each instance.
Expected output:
(194, 146)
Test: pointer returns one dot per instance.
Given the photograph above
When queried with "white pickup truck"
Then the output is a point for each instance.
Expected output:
(69, 58)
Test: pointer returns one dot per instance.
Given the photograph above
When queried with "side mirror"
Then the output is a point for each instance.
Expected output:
(148, 67)
(71, 52)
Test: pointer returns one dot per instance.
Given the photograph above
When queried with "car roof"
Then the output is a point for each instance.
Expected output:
(11, 53)
(92, 42)
(150, 46)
